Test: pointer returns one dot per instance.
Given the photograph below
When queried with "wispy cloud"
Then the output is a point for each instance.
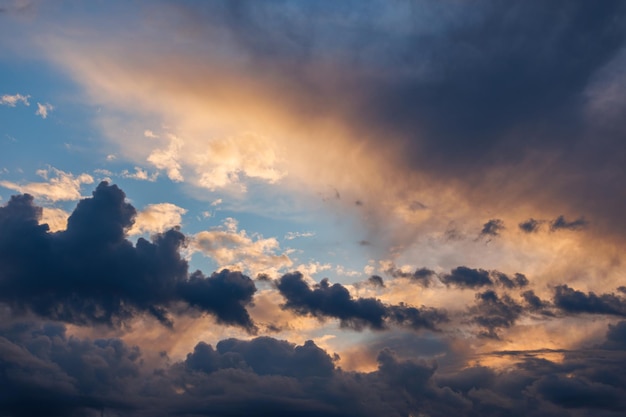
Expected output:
(13, 100)
(295, 235)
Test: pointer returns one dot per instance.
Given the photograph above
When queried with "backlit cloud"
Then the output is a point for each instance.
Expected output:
(60, 185)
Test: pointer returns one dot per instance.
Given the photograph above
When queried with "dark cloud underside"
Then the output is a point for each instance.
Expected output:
(91, 274)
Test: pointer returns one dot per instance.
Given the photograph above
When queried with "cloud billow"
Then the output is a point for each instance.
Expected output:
(90, 273)
(334, 301)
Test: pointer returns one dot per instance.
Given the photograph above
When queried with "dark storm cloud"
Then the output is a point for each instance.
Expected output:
(492, 228)
(560, 223)
(465, 89)
(325, 300)
(90, 273)
(263, 356)
(574, 301)
(44, 372)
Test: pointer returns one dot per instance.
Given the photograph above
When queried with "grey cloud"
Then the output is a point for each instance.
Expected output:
(574, 301)
(560, 223)
(44, 372)
(90, 273)
(326, 300)
(531, 225)
(492, 228)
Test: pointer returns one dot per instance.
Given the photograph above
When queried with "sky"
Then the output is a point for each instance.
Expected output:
(356, 208)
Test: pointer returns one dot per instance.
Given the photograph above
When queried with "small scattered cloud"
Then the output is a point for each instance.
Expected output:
(140, 174)
(60, 185)
(531, 225)
(376, 281)
(492, 228)
(295, 235)
(150, 134)
(44, 109)
(560, 223)
(13, 100)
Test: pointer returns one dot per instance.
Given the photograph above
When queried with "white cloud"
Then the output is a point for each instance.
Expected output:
(140, 174)
(156, 218)
(62, 186)
(313, 268)
(235, 249)
(150, 134)
(294, 235)
(12, 100)
(56, 218)
(167, 159)
(43, 109)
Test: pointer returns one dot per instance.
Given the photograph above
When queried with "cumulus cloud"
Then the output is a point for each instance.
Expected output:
(99, 276)
(574, 301)
(60, 186)
(234, 248)
(157, 218)
(48, 372)
(326, 300)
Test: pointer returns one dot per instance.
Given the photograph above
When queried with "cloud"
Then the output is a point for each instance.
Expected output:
(465, 277)
(492, 228)
(574, 301)
(55, 218)
(13, 100)
(531, 225)
(561, 224)
(376, 281)
(325, 300)
(234, 248)
(140, 174)
(295, 235)
(157, 218)
(46, 371)
(62, 186)
(44, 109)
(99, 276)
(167, 159)
(424, 276)
(493, 312)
